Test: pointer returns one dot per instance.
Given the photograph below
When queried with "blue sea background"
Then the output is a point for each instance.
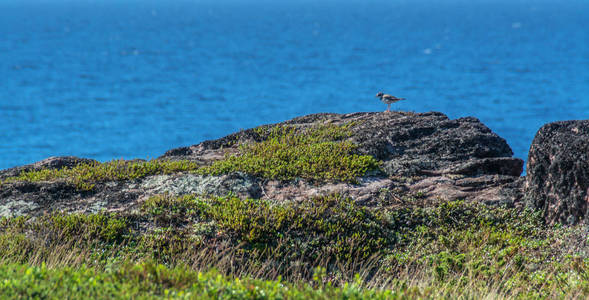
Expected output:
(112, 79)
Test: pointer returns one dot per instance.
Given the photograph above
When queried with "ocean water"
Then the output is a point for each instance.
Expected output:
(110, 79)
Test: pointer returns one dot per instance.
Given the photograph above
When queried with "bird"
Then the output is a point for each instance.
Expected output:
(388, 99)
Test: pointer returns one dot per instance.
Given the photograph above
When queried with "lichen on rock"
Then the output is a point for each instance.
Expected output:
(235, 183)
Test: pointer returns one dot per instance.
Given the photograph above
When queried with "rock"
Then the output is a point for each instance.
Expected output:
(238, 184)
(426, 158)
(557, 181)
(429, 142)
(488, 189)
(409, 143)
(429, 147)
(495, 165)
(369, 191)
(36, 198)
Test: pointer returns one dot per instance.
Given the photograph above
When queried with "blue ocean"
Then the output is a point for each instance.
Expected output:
(108, 79)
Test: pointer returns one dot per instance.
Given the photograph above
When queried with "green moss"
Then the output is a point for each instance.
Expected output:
(454, 215)
(84, 176)
(16, 247)
(319, 153)
(466, 244)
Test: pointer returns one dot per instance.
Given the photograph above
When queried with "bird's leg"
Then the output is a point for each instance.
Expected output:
(389, 107)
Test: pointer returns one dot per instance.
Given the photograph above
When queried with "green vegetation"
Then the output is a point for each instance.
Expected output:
(84, 176)
(323, 248)
(301, 250)
(60, 237)
(286, 153)
(325, 227)
(152, 281)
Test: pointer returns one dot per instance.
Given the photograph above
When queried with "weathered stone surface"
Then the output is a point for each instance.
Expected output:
(383, 191)
(238, 184)
(488, 189)
(426, 157)
(17, 198)
(37, 198)
(429, 147)
(365, 192)
(557, 180)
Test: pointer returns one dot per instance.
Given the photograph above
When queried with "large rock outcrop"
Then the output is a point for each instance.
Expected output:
(410, 143)
(423, 154)
(557, 180)
(426, 157)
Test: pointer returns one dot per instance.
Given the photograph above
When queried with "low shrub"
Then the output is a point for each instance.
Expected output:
(287, 153)
(84, 176)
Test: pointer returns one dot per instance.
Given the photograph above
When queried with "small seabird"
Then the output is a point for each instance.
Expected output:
(388, 99)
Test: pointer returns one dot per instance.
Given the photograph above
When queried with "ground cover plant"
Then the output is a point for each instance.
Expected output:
(322, 248)
(287, 152)
(320, 153)
(452, 249)
(153, 281)
(86, 175)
